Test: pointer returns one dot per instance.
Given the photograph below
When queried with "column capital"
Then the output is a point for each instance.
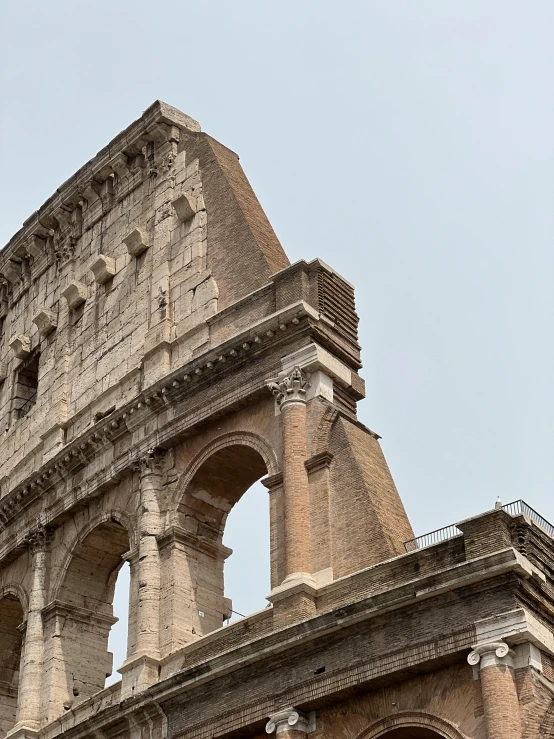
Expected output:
(290, 387)
(150, 463)
(289, 719)
(38, 540)
(491, 654)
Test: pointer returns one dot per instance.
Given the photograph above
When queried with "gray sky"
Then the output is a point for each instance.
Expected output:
(407, 143)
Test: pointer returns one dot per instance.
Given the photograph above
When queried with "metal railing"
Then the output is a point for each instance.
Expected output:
(520, 507)
(517, 508)
(434, 537)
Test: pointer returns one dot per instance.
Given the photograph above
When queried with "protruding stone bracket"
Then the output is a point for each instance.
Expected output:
(491, 654)
(76, 294)
(20, 345)
(46, 321)
(289, 719)
(36, 246)
(103, 269)
(11, 271)
(186, 207)
(136, 242)
(289, 387)
(91, 192)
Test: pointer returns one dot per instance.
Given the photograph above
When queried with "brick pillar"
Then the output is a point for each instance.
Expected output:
(494, 661)
(290, 724)
(290, 391)
(141, 668)
(30, 682)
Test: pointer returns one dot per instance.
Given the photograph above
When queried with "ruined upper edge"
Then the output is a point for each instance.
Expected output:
(157, 113)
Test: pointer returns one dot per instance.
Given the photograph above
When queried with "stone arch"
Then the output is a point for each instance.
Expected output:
(13, 606)
(212, 484)
(235, 438)
(412, 724)
(77, 622)
(117, 515)
(16, 590)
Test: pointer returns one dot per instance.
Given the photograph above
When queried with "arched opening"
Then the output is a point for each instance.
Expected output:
(119, 633)
(11, 619)
(216, 486)
(247, 570)
(80, 620)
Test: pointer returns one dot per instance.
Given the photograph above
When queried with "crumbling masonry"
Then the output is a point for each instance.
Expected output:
(158, 355)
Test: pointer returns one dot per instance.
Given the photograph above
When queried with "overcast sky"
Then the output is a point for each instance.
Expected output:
(410, 144)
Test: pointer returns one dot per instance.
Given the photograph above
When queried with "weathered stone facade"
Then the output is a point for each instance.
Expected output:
(158, 355)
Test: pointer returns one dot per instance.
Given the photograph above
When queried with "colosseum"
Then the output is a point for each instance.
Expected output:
(158, 355)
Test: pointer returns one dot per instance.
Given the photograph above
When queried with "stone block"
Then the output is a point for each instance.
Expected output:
(103, 269)
(46, 321)
(76, 294)
(136, 242)
(185, 207)
(20, 345)
(3, 371)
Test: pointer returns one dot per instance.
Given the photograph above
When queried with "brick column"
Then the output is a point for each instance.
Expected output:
(141, 668)
(290, 392)
(494, 661)
(290, 724)
(32, 666)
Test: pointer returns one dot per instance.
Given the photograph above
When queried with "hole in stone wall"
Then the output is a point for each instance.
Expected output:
(26, 385)
(247, 570)
(117, 641)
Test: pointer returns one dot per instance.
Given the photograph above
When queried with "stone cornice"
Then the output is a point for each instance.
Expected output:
(180, 384)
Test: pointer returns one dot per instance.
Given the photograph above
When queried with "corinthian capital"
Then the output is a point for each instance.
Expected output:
(150, 462)
(289, 388)
(38, 539)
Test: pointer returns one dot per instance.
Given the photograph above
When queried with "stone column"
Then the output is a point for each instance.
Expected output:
(290, 392)
(141, 668)
(32, 666)
(494, 660)
(290, 724)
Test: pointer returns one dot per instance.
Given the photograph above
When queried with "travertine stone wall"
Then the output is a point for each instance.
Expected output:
(178, 358)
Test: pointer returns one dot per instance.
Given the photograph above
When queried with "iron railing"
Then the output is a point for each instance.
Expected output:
(434, 537)
(517, 508)
(520, 507)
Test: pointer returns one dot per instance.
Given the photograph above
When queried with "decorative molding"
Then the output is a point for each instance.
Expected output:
(136, 242)
(150, 463)
(272, 482)
(289, 719)
(320, 461)
(38, 540)
(76, 294)
(103, 269)
(20, 345)
(46, 321)
(289, 388)
(491, 654)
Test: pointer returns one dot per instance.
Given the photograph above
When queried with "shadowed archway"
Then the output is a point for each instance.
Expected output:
(11, 642)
